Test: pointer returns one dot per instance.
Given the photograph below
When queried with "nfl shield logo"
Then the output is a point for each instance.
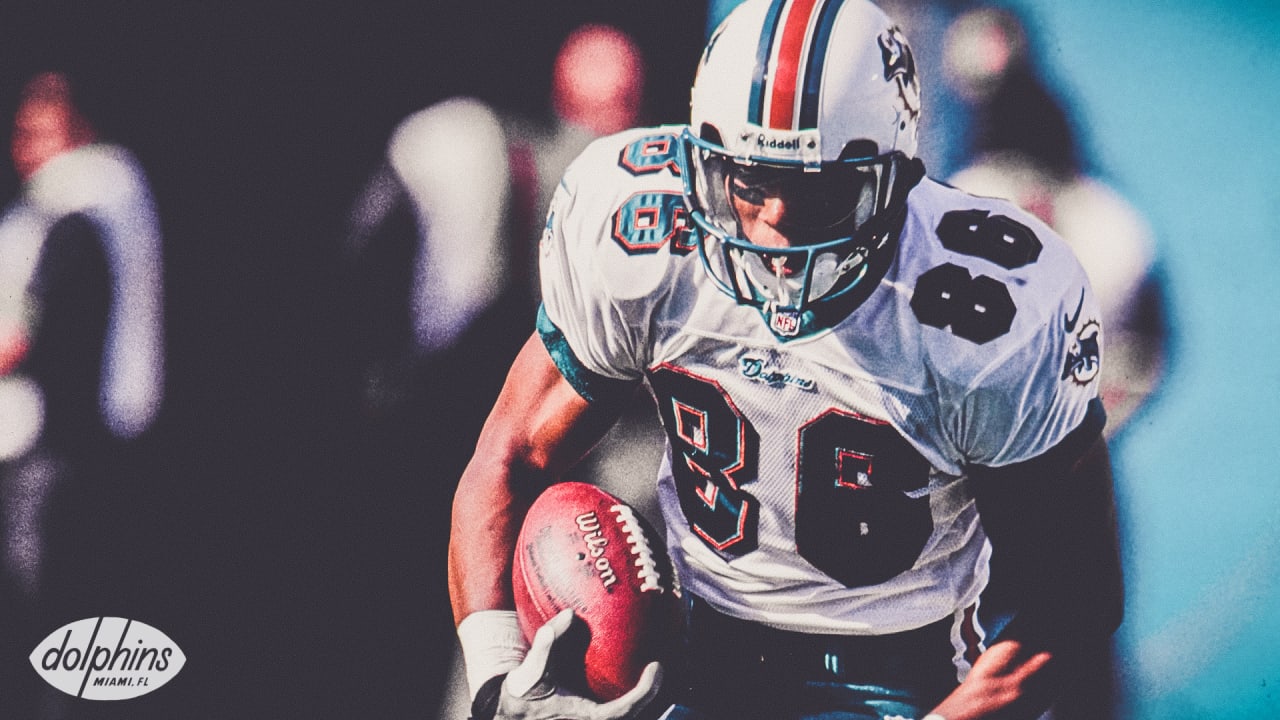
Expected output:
(785, 322)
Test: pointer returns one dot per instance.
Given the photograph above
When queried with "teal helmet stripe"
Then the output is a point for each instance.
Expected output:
(755, 109)
(809, 101)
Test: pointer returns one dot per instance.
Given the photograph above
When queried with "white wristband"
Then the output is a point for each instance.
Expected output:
(492, 644)
(933, 716)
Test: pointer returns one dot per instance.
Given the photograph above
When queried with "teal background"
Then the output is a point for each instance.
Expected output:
(1178, 102)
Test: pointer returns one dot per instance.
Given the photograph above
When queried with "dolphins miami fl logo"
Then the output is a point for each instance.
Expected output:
(107, 658)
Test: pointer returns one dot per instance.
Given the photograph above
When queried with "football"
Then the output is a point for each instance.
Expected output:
(582, 548)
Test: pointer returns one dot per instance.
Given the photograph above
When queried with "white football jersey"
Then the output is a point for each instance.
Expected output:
(818, 484)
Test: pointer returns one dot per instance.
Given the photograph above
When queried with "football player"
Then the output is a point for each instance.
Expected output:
(886, 491)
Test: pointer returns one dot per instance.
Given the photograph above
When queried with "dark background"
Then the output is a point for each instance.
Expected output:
(297, 579)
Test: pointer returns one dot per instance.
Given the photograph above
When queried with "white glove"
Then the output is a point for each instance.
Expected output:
(530, 693)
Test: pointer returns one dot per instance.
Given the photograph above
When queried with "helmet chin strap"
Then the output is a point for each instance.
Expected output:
(779, 268)
(778, 264)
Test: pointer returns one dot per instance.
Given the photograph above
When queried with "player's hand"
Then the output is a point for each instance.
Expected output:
(530, 692)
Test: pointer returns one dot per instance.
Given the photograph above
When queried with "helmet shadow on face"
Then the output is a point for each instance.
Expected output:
(777, 207)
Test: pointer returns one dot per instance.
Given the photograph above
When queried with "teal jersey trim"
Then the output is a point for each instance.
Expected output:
(592, 386)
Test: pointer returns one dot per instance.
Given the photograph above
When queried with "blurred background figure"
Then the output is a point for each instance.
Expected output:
(468, 188)
(1024, 148)
(443, 245)
(66, 170)
(81, 349)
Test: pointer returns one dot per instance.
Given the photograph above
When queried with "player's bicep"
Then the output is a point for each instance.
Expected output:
(539, 426)
(534, 423)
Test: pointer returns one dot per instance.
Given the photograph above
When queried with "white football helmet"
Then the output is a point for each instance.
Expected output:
(817, 102)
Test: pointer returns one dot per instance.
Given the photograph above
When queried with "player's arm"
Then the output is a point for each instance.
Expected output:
(539, 426)
(1052, 526)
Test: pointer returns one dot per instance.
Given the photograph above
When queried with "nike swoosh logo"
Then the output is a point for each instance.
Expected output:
(1071, 321)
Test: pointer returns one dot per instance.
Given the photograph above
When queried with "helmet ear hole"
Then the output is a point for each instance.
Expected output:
(859, 149)
(709, 133)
